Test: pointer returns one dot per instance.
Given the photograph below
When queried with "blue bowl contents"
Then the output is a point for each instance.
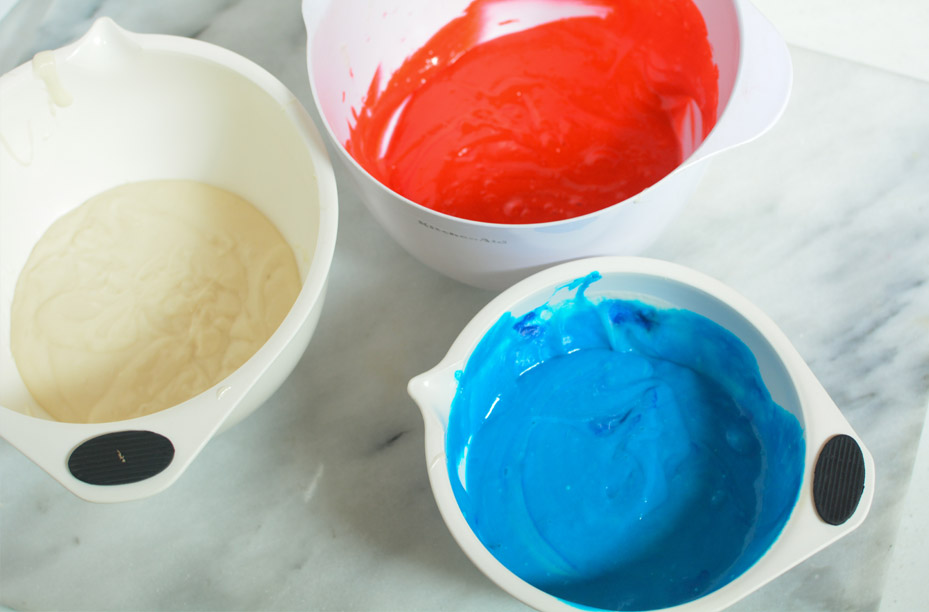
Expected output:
(618, 455)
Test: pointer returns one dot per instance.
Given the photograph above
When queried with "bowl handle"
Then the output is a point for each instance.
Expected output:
(122, 460)
(838, 479)
(761, 90)
(121, 457)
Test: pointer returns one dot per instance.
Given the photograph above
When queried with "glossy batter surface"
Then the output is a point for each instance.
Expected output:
(145, 296)
(545, 123)
(621, 456)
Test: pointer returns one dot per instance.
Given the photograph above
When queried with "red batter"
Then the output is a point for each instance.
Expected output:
(555, 121)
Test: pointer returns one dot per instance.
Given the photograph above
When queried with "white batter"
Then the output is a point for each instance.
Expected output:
(145, 296)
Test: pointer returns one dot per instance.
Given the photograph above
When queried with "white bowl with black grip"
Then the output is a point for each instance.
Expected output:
(116, 107)
(838, 478)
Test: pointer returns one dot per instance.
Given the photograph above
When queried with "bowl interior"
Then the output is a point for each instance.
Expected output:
(143, 108)
(776, 488)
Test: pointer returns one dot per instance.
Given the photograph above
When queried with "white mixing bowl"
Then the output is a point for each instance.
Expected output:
(117, 107)
(348, 40)
(792, 385)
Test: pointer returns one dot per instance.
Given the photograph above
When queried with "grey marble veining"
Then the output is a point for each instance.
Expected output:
(320, 500)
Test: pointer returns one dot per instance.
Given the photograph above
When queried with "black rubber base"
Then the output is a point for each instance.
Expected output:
(838, 480)
(122, 457)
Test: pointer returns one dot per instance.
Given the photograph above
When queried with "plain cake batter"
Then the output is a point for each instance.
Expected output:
(145, 296)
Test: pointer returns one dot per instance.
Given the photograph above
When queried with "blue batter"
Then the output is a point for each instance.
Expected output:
(621, 456)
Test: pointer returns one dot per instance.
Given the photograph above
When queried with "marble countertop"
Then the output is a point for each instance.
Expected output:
(320, 500)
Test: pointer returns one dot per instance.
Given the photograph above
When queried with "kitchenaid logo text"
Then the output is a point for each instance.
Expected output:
(454, 235)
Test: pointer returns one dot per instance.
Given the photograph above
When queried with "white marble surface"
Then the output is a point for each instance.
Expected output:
(890, 34)
(320, 500)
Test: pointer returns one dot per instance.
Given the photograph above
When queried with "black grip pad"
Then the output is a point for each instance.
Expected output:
(838, 480)
(122, 457)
